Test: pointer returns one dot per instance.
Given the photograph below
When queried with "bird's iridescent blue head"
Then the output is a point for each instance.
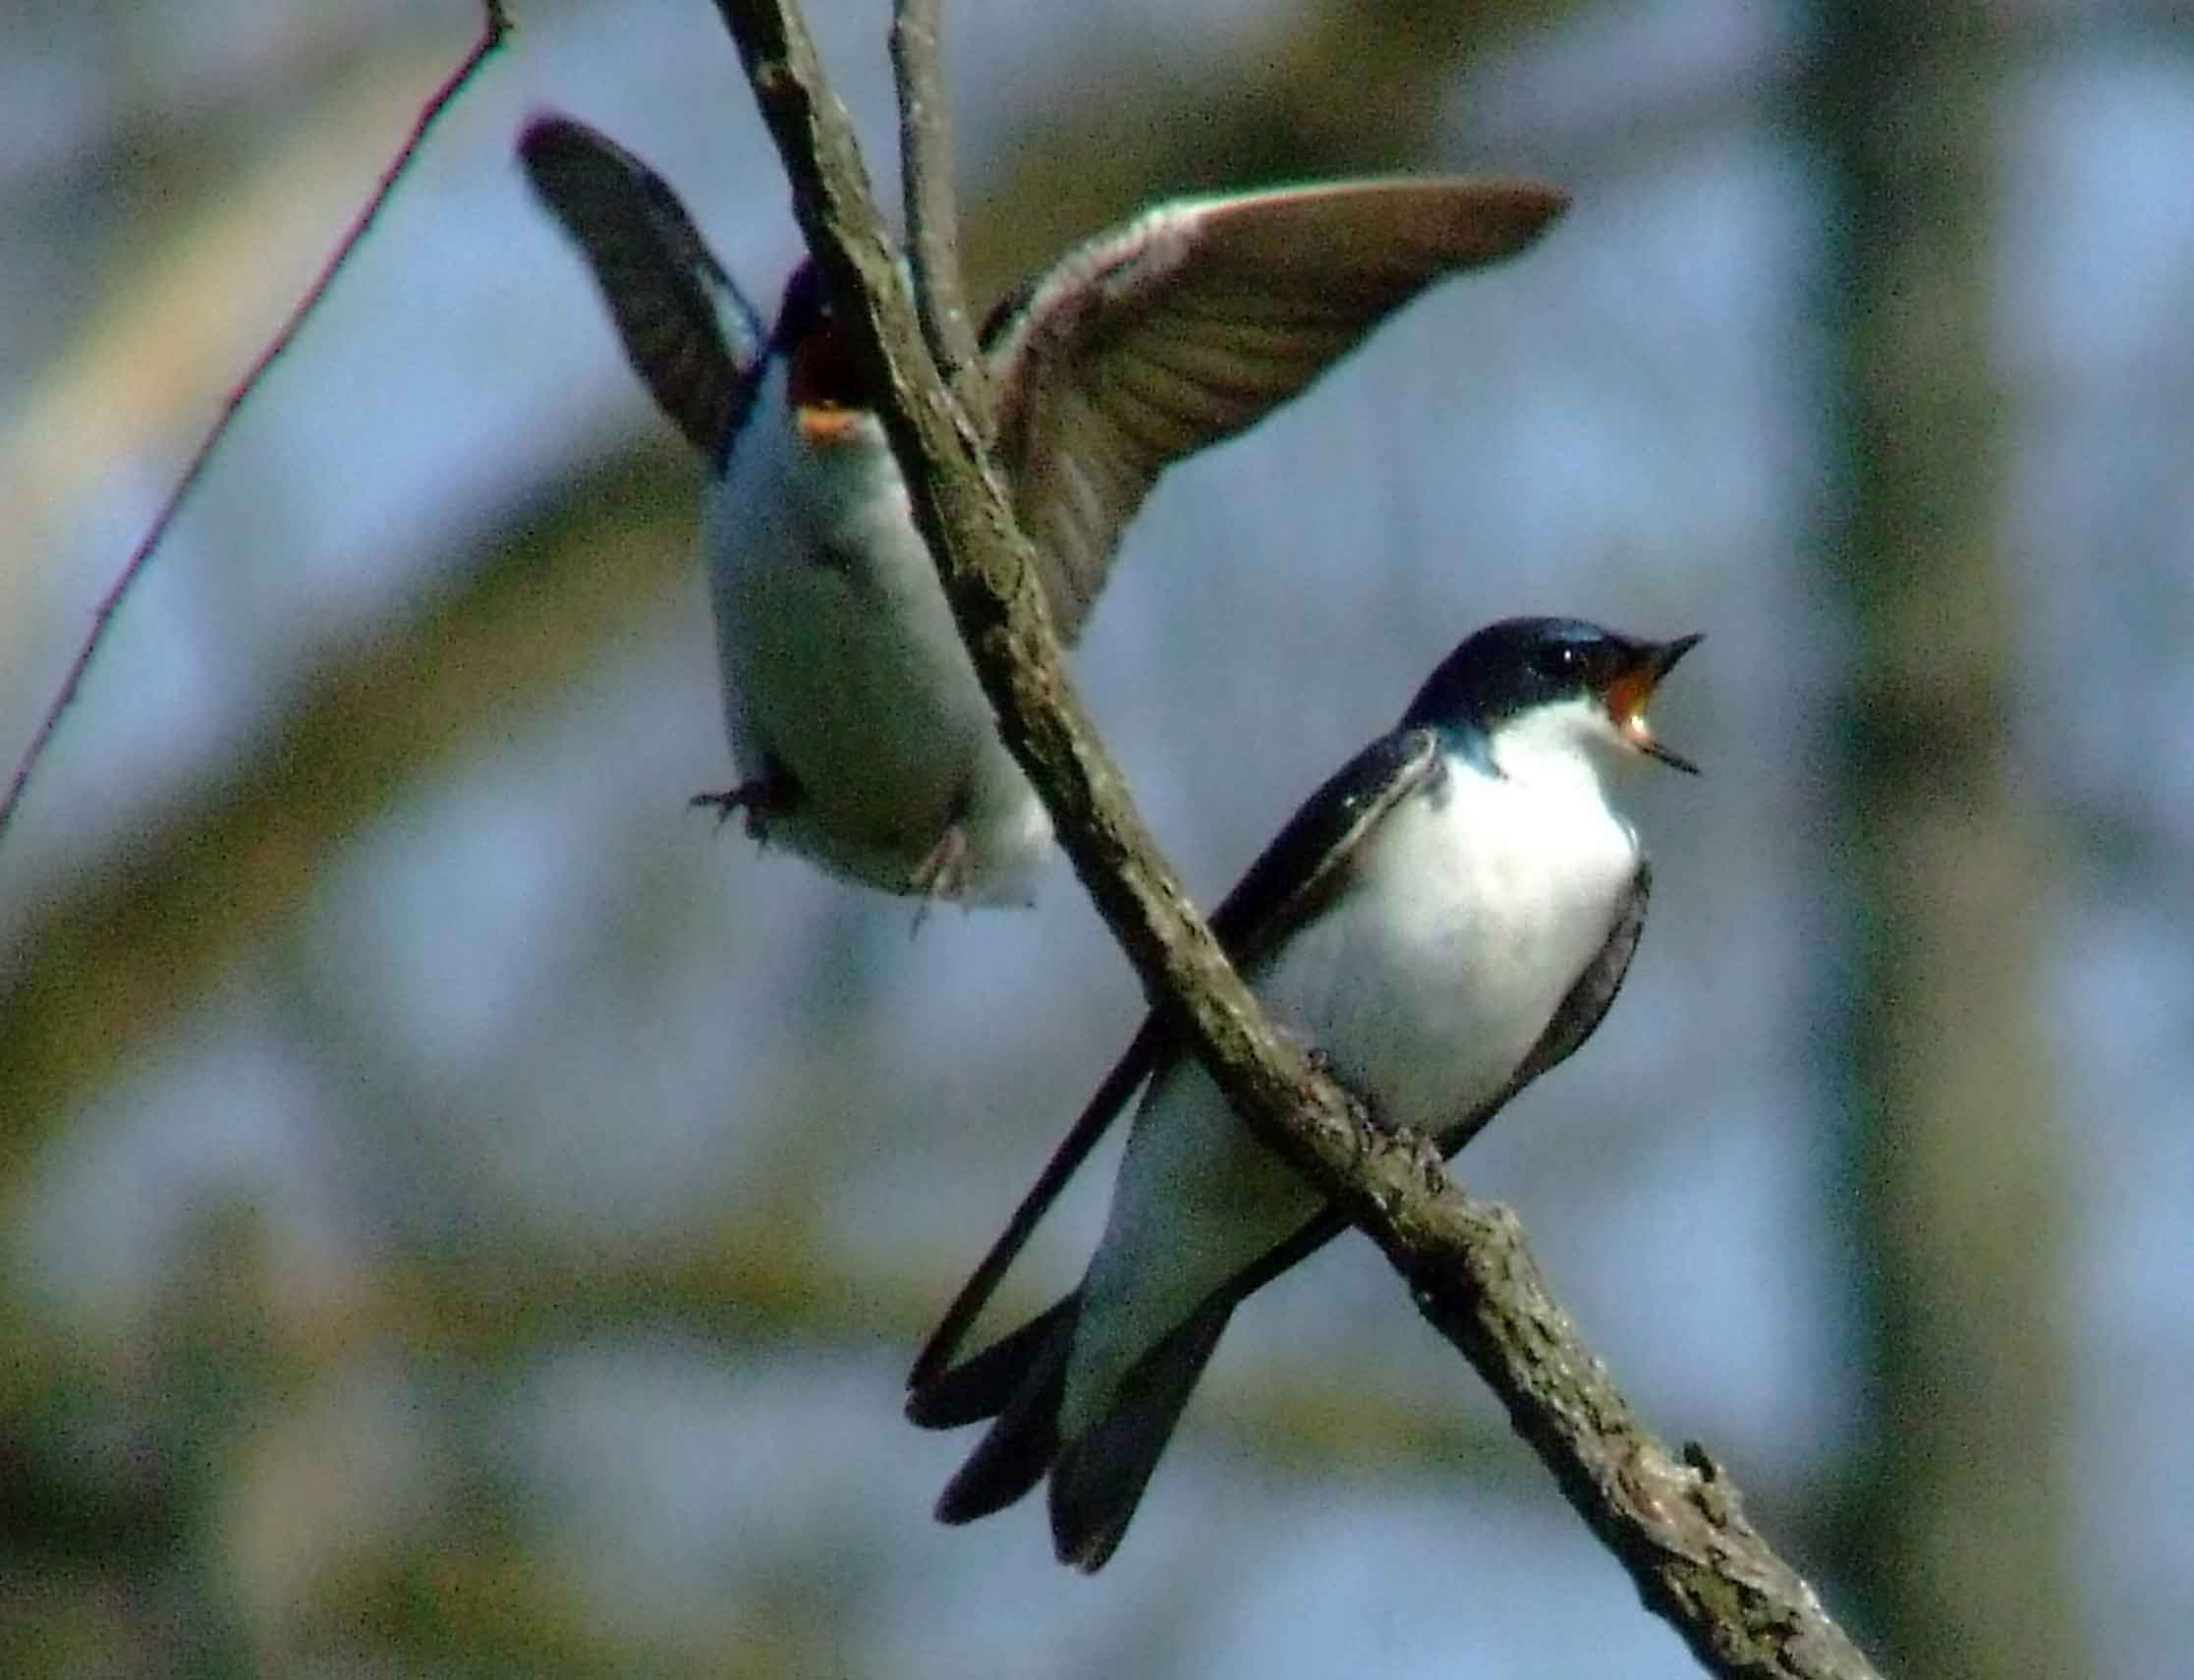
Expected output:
(1507, 671)
(825, 387)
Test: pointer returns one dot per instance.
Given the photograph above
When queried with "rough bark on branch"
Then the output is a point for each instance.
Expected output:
(1676, 1524)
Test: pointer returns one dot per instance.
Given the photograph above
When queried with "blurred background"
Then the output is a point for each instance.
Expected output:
(460, 1213)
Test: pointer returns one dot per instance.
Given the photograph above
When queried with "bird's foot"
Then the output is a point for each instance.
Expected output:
(761, 798)
(942, 874)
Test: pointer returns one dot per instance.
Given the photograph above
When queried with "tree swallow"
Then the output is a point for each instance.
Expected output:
(1445, 919)
(854, 713)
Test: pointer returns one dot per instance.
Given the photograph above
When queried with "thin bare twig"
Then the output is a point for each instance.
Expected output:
(494, 27)
(926, 179)
(1675, 1522)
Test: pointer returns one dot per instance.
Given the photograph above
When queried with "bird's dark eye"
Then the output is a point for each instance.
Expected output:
(1558, 660)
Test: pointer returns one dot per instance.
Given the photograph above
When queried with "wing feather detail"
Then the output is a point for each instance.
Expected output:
(686, 328)
(1194, 321)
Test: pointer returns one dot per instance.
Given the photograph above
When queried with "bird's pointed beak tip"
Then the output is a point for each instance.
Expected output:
(1664, 659)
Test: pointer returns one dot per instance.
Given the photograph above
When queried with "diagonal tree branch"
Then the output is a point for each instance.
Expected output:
(1676, 1524)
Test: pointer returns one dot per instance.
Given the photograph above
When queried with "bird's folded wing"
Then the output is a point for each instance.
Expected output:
(686, 330)
(1191, 322)
(1290, 881)
(1308, 859)
(1095, 1119)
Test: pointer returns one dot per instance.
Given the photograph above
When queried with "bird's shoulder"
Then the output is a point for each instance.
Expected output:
(1315, 851)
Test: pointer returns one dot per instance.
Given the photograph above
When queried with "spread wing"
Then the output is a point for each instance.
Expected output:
(1292, 880)
(1196, 319)
(686, 330)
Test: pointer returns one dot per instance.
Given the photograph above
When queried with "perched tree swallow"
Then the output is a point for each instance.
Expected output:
(854, 713)
(1445, 919)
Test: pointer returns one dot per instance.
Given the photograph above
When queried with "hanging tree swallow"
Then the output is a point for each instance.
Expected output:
(864, 736)
(1443, 921)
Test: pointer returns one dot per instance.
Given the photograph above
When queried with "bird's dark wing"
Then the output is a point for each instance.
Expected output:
(686, 330)
(1294, 878)
(1191, 322)
(1129, 1072)
(1303, 866)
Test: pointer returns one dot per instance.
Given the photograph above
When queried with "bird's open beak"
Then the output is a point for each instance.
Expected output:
(1628, 693)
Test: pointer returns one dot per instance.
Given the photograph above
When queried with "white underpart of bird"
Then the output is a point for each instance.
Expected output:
(1471, 912)
(834, 634)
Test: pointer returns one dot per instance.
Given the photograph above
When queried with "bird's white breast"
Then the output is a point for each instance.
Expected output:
(1471, 912)
(1475, 907)
(841, 662)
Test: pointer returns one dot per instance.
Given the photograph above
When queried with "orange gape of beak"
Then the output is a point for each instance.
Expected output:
(822, 425)
(1628, 693)
(820, 387)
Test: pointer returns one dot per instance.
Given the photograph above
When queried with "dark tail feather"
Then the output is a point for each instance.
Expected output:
(985, 1386)
(1099, 1478)
(1020, 1446)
